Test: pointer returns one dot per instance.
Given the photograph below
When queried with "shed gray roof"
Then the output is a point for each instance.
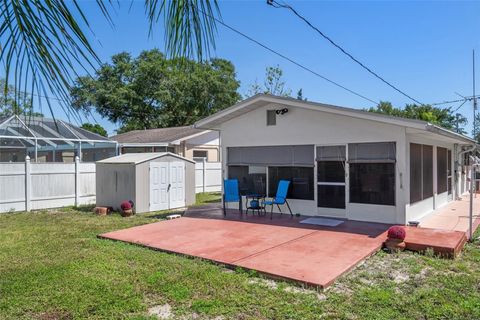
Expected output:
(164, 135)
(136, 158)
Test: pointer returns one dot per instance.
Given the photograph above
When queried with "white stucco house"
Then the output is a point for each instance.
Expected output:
(341, 162)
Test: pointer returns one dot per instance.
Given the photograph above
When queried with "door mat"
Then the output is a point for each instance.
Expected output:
(322, 222)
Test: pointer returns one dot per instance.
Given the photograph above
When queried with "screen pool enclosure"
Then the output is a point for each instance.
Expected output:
(49, 140)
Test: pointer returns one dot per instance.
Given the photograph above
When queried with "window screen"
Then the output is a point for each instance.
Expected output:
(330, 171)
(427, 171)
(441, 170)
(330, 196)
(372, 172)
(372, 183)
(251, 180)
(271, 117)
(416, 193)
(301, 181)
(421, 172)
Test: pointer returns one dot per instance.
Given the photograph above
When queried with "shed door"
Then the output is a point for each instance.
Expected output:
(159, 181)
(177, 184)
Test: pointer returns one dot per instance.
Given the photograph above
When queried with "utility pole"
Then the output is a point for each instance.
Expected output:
(474, 98)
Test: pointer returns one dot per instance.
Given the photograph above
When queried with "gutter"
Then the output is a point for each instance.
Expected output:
(438, 130)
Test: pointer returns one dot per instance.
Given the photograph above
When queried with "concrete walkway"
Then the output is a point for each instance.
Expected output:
(454, 216)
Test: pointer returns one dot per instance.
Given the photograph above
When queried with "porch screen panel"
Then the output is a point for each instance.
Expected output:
(421, 172)
(372, 173)
(415, 172)
(427, 171)
(441, 170)
(301, 155)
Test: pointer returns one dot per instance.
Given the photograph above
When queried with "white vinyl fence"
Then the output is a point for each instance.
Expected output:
(208, 177)
(31, 186)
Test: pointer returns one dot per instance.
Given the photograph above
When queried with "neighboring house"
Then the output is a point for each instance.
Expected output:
(341, 162)
(185, 141)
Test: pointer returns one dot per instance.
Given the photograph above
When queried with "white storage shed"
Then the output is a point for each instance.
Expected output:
(153, 181)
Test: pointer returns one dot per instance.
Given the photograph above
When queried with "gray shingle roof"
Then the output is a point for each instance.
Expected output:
(165, 135)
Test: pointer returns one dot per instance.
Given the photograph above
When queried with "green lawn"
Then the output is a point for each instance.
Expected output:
(52, 266)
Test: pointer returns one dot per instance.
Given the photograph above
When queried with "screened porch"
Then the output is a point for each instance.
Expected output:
(333, 179)
(48, 140)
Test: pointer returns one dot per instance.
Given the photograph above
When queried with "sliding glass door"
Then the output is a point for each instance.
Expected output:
(331, 177)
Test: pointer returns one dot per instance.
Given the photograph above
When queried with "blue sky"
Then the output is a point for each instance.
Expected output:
(424, 48)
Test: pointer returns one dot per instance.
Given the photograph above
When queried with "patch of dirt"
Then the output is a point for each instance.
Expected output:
(161, 312)
(271, 284)
(399, 277)
(54, 315)
(320, 296)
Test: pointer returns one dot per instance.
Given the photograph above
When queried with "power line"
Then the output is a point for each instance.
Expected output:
(276, 4)
(287, 58)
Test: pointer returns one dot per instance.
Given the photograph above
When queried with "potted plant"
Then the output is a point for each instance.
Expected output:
(127, 208)
(396, 238)
(101, 211)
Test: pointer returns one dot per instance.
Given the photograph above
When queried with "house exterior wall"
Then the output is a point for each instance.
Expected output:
(303, 126)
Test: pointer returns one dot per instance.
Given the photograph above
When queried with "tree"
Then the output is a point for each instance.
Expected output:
(476, 128)
(152, 91)
(43, 43)
(95, 128)
(11, 104)
(300, 95)
(273, 83)
(443, 117)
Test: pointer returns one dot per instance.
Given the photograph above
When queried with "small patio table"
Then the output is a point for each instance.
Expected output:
(255, 202)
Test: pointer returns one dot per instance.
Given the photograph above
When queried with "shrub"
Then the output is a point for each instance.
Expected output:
(126, 205)
(397, 232)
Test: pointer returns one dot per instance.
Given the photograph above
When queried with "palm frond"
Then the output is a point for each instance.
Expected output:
(189, 25)
(43, 46)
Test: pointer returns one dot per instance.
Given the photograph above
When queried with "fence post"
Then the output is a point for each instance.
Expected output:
(28, 184)
(204, 174)
(77, 181)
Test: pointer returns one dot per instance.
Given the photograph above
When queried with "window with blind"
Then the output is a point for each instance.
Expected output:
(372, 173)
(421, 172)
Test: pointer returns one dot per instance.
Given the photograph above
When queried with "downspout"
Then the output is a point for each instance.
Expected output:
(460, 154)
(472, 188)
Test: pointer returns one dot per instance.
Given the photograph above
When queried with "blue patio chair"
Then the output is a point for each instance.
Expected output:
(231, 193)
(280, 198)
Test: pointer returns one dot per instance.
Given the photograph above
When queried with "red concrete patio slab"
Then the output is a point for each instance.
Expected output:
(316, 259)
(218, 240)
(282, 248)
(446, 243)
